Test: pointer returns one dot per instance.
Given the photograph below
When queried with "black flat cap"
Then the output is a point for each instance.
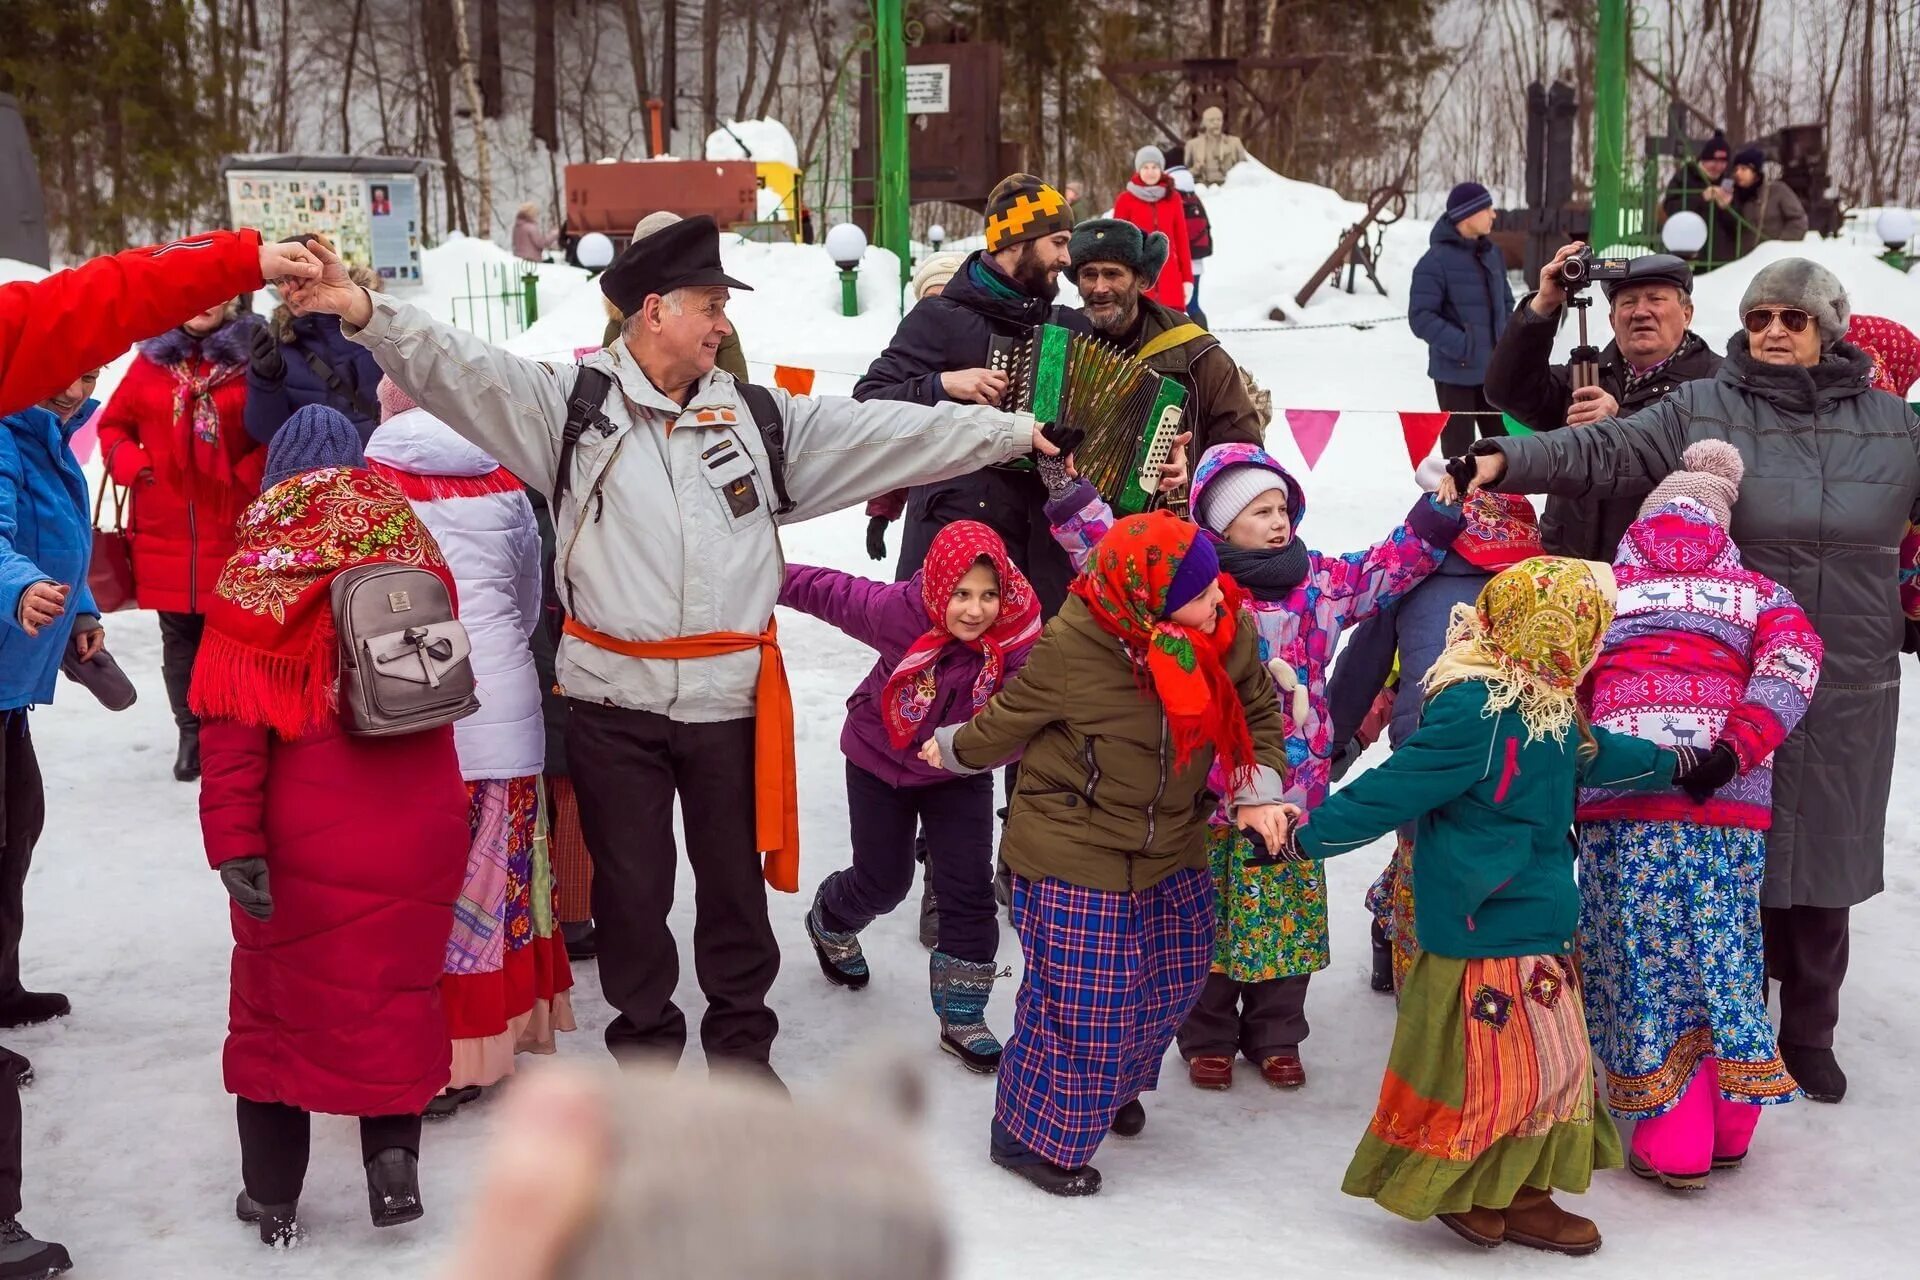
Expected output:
(1664, 268)
(683, 255)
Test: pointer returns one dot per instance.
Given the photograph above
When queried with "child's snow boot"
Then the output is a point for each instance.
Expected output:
(279, 1223)
(1210, 1071)
(840, 956)
(1534, 1220)
(1283, 1070)
(1676, 1147)
(1733, 1126)
(1382, 979)
(960, 989)
(1484, 1227)
(929, 918)
(1129, 1120)
(393, 1187)
(31, 1008)
(1009, 1153)
(21, 1256)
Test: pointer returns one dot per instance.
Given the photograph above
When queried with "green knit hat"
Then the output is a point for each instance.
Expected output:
(1117, 240)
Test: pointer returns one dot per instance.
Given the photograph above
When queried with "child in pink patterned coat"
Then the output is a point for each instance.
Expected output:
(1271, 919)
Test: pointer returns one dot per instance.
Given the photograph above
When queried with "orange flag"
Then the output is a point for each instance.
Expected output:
(795, 382)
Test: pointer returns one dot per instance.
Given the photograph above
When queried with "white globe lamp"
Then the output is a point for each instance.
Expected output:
(594, 251)
(846, 245)
(1685, 233)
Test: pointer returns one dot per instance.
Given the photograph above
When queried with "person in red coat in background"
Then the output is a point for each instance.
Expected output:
(343, 886)
(1151, 204)
(174, 433)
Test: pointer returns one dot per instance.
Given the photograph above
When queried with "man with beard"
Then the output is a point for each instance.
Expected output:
(1113, 267)
(940, 352)
(1652, 352)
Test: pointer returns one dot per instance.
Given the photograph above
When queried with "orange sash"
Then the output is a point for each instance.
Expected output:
(776, 791)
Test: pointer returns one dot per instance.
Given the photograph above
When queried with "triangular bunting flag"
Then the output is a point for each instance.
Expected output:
(795, 382)
(1312, 428)
(1422, 431)
(1514, 426)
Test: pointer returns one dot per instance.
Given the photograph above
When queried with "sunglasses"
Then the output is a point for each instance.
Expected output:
(1760, 319)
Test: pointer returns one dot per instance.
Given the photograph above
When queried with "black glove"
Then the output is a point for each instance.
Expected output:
(1341, 761)
(1462, 470)
(1700, 775)
(877, 538)
(245, 880)
(267, 360)
(1064, 438)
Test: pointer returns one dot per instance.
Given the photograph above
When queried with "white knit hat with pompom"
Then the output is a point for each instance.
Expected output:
(1711, 477)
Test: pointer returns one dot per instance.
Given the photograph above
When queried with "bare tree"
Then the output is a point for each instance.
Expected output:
(637, 58)
(546, 91)
(483, 162)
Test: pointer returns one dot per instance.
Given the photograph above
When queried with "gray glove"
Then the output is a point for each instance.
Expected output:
(245, 880)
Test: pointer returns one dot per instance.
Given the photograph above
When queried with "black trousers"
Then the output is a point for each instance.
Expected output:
(23, 812)
(1473, 418)
(275, 1140)
(627, 766)
(179, 645)
(1260, 1019)
(1806, 950)
(957, 817)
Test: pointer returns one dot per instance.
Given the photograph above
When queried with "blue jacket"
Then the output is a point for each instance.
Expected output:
(271, 401)
(46, 535)
(1459, 304)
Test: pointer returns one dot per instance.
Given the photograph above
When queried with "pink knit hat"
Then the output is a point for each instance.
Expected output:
(1711, 478)
(393, 400)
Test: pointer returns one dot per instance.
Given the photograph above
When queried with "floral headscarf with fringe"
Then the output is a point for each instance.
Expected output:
(1532, 636)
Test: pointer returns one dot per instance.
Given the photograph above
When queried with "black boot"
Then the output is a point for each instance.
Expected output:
(16, 1067)
(21, 1256)
(393, 1187)
(1382, 960)
(279, 1224)
(1129, 1120)
(1816, 1071)
(840, 956)
(186, 762)
(449, 1101)
(1008, 1152)
(30, 1008)
(929, 918)
(582, 939)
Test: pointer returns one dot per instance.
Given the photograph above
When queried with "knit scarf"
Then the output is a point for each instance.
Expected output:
(1269, 574)
(1637, 378)
(910, 689)
(1532, 636)
(199, 465)
(270, 657)
(1158, 191)
(1125, 588)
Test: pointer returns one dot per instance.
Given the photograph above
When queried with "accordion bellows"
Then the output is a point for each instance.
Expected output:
(1130, 413)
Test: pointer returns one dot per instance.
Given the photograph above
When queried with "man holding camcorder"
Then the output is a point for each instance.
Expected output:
(1650, 302)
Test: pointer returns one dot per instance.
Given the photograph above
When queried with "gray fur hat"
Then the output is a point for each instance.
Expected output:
(1802, 283)
(1117, 240)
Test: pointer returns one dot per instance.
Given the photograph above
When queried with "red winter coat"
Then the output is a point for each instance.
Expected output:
(1168, 216)
(335, 1004)
(184, 505)
(56, 329)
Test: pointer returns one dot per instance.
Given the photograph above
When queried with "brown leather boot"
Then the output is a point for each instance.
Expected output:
(1534, 1220)
(1210, 1071)
(1484, 1227)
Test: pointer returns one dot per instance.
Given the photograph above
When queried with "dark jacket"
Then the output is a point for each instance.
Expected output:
(1687, 192)
(1218, 409)
(1769, 210)
(1492, 814)
(273, 394)
(1099, 802)
(1523, 381)
(1459, 304)
(1833, 479)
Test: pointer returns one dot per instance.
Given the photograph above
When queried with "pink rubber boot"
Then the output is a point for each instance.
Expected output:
(1733, 1126)
(1677, 1148)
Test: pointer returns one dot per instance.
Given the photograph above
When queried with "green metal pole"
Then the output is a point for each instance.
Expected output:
(890, 217)
(530, 294)
(849, 292)
(1609, 122)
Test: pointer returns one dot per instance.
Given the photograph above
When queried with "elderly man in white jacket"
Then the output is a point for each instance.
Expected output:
(669, 565)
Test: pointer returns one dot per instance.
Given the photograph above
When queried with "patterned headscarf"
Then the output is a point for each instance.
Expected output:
(1125, 587)
(910, 689)
(1532, 636)
(1498, 530)
(270, 656)
(1893, 348)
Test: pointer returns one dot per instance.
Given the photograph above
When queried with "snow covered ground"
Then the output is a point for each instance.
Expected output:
(130, 1154)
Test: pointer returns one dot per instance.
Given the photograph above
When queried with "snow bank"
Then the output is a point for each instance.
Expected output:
(763, 139)
(1875, 288)
(12, 269)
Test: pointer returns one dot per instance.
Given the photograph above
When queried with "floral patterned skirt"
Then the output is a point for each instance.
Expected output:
(1671, 950)
(1489, 1088)
(1390, 901)
(507, 984)
(1269, 921)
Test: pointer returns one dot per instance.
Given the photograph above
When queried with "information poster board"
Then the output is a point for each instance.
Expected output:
(372, 219)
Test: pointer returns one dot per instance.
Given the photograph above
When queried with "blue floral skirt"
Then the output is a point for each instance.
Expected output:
(1670, 955)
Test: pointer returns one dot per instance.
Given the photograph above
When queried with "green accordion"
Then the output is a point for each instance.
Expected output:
(1131, 415)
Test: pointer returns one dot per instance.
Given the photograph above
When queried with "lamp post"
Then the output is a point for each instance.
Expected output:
(1685, 234)
(846, 245)
(936, 236)
(1895, 229)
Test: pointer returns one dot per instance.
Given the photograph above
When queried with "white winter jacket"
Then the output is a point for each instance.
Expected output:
(667, 529)
(480, 516)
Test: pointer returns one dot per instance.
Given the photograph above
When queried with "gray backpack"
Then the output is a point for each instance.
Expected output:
(405, 660)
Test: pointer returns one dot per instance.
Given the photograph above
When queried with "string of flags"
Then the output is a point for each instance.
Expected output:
(1313, 430)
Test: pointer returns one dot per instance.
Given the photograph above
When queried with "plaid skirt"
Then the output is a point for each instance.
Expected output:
(1109, 978)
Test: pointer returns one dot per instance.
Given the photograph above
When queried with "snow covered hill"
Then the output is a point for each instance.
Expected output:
(130, 1153)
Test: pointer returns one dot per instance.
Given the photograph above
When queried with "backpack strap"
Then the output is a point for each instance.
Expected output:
(586, 407)
(357, 402)
(773, 437)
(1169, 339)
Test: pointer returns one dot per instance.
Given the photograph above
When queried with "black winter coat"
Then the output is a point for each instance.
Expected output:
(1458, 304)
(1521, 381)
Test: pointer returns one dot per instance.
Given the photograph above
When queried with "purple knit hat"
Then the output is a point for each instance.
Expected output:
(1195, 574)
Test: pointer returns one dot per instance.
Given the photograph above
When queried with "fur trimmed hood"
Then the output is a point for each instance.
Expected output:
(230, 344)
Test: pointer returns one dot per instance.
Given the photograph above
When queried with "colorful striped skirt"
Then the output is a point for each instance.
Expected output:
(1109, 978)
(1489, 1088)
(507, 985)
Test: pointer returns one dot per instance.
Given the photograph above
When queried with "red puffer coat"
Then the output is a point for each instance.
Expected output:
(335, 1003)
(1168, 216)
(193, 488)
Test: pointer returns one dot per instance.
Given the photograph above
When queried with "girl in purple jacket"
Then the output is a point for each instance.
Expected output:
(949, 637)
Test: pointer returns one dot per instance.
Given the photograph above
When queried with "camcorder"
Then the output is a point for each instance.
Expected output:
(1584, 268)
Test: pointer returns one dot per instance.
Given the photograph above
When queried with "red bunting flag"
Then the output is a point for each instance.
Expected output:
(795, 382)
(1422, 431)
(1312, 428)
